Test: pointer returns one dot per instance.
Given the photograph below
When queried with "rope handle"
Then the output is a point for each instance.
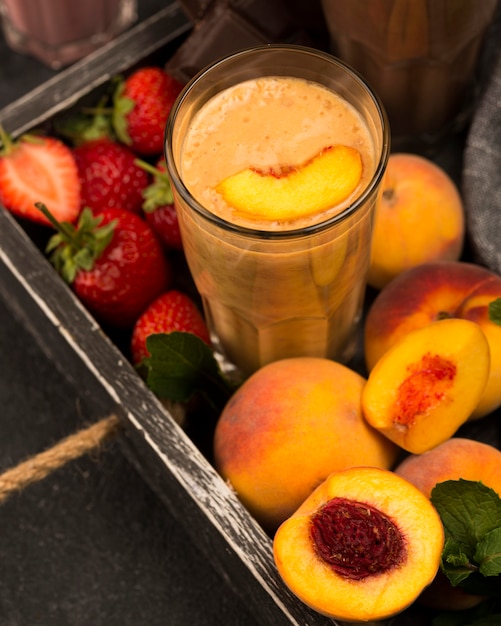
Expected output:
(68, 449)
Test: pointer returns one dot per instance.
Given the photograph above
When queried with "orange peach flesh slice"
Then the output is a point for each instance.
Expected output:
(378, 595)
(315, 186)
(428, 384)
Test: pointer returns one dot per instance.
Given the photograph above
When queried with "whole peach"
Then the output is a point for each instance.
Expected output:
(289, 426)
(453, 459)
(434, 291)
(456, 458)
(419, 218)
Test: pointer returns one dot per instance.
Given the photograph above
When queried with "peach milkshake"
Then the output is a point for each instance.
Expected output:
(275, 176)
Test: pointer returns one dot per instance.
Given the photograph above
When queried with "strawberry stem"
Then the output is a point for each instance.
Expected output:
(159, 193)
(151, 169)
(75, 248)
(63, 228)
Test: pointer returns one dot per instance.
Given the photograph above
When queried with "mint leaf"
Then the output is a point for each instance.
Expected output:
(456, 563)
(488, 553)
(468, 510)
(471, 515)
(182, 365)
(495, 311)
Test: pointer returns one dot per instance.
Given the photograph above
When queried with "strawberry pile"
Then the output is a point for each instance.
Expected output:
(99, 182)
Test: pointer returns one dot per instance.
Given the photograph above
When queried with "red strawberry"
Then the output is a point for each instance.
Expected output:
(109, 176)
(114, 263)
(172, 311)
(142, 104)
(38, 169)
(158, 206)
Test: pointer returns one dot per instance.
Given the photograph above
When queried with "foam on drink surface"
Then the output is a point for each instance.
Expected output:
(268, 123)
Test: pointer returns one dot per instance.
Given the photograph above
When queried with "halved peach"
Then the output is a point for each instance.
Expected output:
(362, 547)
(295, 191)
(428, 384)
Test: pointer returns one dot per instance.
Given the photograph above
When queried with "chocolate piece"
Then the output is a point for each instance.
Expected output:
(271, 17)
(227, 27)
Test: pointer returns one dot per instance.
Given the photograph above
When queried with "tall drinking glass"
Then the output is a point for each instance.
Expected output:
(274, 289)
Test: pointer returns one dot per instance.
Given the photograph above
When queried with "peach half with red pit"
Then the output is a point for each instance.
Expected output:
(362, 547)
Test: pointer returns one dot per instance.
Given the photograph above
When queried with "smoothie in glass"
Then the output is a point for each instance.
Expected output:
(276, 287)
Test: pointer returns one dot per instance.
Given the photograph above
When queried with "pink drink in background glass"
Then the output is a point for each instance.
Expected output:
(58, 32)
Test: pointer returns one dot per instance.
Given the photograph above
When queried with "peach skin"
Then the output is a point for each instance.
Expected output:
(458, 457)
(428, 384)
(432, 291)
(453, 459)
(362, 547)
(287, 428)
(419, 219)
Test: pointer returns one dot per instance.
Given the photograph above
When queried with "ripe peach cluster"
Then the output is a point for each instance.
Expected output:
(338, 467)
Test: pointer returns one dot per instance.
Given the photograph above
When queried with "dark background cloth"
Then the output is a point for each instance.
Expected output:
(481, 179)
(91, 545)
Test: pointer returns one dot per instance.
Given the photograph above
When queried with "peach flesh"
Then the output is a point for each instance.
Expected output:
(427, 385)
(431, 372)
(295, 191)
(404, 564)
(430, 292)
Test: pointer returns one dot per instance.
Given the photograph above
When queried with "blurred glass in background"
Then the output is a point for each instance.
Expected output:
(420, 56)
(59, 32)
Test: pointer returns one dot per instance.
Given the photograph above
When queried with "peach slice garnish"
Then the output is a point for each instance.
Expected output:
(295, 191)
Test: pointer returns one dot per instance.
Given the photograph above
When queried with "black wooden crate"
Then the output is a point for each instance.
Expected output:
(86, 357)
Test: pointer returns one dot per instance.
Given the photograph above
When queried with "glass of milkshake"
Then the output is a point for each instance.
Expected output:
(276, 156)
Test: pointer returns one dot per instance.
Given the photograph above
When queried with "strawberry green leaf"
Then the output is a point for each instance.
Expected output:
(85, 126)
(181, 365)
(495, 311)
(159, 192)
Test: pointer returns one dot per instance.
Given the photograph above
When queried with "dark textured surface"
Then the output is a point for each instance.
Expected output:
(91, 545)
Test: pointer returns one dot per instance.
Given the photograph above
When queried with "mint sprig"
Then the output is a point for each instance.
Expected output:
(471, 515)
(181, 366)
(495, 311)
